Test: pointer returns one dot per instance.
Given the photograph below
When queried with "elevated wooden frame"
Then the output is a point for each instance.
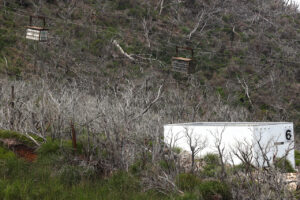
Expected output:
(37, 33)
(182, 64)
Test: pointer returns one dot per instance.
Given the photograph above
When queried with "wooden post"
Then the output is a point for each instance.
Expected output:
(74, 142)
(12, 104)
(12, 96)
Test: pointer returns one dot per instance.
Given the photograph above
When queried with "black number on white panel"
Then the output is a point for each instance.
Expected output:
(288, 134)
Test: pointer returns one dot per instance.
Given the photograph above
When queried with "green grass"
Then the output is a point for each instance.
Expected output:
(210, 188)
(32, 187)
(47, 180)
(50, 147)
(187, 182)
(54, 175)
(51, 177)
(6, 154)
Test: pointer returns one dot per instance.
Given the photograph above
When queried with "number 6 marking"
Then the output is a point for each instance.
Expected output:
(288, 134)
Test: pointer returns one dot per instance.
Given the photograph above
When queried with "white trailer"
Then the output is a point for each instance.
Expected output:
(259, 142)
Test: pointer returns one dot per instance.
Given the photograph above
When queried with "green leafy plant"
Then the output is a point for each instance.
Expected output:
(284, 165)
(212, 165)
(210, 189)
(297, 157)
(187, 182)
(50, 147)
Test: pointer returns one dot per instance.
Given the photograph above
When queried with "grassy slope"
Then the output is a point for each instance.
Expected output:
(46, 179)
(53, 176)
(56, 175)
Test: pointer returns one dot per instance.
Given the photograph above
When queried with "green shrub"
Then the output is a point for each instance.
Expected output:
(212, 159)
(56, 146)
(241, 167)
(50, 147)
(123, 182)
(136, 167)
(7, 39)
(177, 150)
(13, 192)
(14, 167)
(284, 165)
(185, 29)
(187, 182)
(51, 160)
(70, 176)
(124, 4)
(6, 154)
(220, 91)
(212, 165)
(136, 12)
(227, 18)
(167, 165)
(297, 158)
(3, 185)
(209, 189)
(67, 146)
(102, 40)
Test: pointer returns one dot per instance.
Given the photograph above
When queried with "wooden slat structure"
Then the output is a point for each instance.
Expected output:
(37, 33)
(181, 64)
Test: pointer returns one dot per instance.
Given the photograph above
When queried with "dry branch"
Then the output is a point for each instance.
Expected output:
(197, 26)
(122, 51)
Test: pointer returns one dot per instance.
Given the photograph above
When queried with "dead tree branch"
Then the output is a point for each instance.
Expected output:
(122, 51)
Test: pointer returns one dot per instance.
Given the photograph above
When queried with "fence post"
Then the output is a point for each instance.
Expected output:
(74, 142)
(12, 104)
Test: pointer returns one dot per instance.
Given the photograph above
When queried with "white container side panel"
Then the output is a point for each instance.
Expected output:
(33, 34)
(232, 137)
(275, 142)
(37, 35)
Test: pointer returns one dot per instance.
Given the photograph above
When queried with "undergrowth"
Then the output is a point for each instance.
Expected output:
(54, 175)
(297, 158)
(49, 177)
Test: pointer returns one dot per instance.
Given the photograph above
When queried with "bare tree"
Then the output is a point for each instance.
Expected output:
(147, 27)
(220, 146)
(196, 142)
(200, 18)
(255, 158)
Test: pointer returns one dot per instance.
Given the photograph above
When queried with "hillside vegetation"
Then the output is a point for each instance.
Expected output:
(246, 52)
(105, 73)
